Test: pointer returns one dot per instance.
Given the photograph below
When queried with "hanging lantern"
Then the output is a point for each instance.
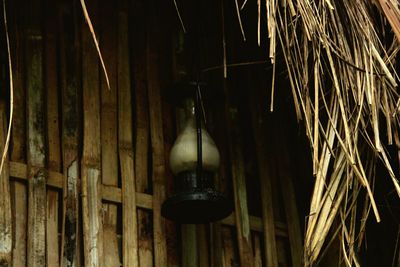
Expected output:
(194, 160)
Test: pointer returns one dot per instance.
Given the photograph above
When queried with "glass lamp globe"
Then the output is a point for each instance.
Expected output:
(195, 199)
(183, 156)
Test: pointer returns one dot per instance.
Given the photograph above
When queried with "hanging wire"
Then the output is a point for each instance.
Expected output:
(198, 113)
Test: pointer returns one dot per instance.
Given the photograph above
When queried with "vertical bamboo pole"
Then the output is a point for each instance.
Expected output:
(129, 218)
(263, 163)
(5, 198)
(172, 229)
(189, 245)
(222, 178)
(202, 244)
(53, 133)
(215, 245)
(109, 146)
(36, 250)
(228, 251)
(257, 252)
(91, 176)
(221, 182)
(239, 185)
(18, 140)
(145, 239)
(157, 139)
(70, 85)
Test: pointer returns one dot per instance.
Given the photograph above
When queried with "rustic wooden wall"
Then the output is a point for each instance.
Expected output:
(88, 165)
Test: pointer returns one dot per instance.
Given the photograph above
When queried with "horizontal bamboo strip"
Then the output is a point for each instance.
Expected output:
(256, 224)
(55, 179)
(145, 201)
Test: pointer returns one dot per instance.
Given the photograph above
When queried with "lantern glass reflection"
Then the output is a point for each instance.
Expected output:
(194, 161)
(183, 155)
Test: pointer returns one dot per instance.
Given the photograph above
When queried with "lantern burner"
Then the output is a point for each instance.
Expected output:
(195, 200)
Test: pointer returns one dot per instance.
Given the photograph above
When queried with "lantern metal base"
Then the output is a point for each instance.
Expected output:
(197, 206)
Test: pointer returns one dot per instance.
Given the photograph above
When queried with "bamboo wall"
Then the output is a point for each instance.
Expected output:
(88, 171)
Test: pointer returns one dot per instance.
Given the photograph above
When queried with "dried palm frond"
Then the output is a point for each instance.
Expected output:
(179, 16)
(95, 41)
(341, 71)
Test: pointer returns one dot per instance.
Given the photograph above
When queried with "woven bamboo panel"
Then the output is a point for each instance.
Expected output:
(88, 166)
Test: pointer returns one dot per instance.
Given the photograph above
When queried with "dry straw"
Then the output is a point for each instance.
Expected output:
(341, 71)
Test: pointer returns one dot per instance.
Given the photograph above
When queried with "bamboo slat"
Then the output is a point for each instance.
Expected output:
(114, 194)
(229, 258)
(239, 188)
(5, 197)
(18, 137)
(109, 126)
(257, 224)
(20, 223)
(91, 174)
(189, 245)
(37, 175)
(242, 216)
(257, 252)
(70, 86)
(203, 246)
(18, 141)
(125, 144)
(53, 133)
(36, 243)
(169, 131)
(157, 138)
(222, 184)
(52, 251)
(172, 229)
(215, 245)
(259, 135)
(143, 201)
(292, 216)
(109, 193)
(145, 238)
